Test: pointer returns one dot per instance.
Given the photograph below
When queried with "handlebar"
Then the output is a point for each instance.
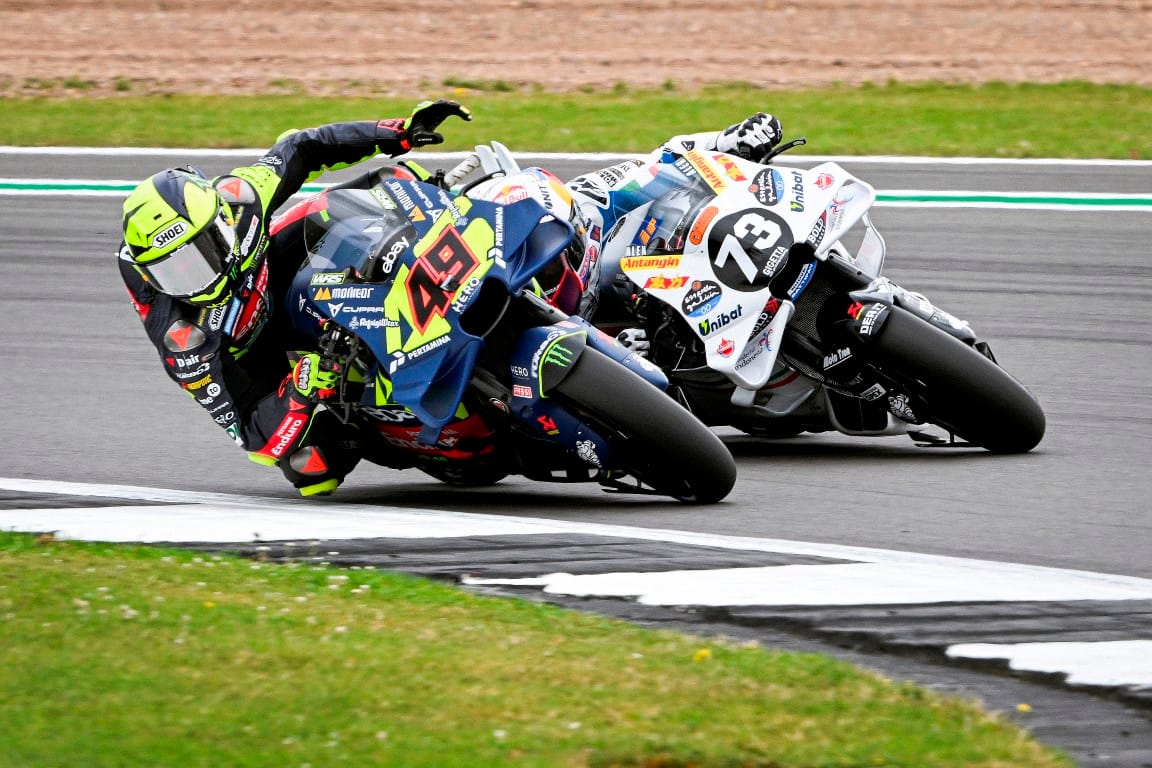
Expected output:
(462, 169)
(782, 148)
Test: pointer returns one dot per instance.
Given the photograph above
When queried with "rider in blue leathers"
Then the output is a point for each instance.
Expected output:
(206, 276)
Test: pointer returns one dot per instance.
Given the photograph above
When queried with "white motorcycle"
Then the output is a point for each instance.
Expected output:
(740, 280)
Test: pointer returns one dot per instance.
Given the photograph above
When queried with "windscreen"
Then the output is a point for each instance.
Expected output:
(348, 227)
(678, 199)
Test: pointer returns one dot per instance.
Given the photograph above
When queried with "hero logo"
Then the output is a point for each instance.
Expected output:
(464, 295)
(711, 325)
(165, 236)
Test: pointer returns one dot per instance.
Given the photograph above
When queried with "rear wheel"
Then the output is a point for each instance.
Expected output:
(662, 443)
(958, 388)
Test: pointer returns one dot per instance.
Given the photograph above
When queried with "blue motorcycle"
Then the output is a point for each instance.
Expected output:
(454, 361)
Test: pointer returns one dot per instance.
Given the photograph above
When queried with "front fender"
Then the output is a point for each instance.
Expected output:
(545, 356)
(634, 361)
(542, 357)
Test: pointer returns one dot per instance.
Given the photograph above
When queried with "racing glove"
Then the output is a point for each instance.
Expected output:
(752, 138)
(314, 377)
(635, 339)
(419, 128)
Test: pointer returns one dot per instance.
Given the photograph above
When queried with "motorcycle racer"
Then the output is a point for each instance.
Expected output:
(603, 197)
(594, 202)
(205, 276)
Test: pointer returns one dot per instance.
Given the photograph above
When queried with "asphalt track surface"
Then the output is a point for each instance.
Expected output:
(1062, 295)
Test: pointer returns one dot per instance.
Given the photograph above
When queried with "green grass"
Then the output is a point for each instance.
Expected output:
(991, 120)
(122, 656)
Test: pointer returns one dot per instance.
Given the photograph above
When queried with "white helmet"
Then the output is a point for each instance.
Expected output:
(545, 188)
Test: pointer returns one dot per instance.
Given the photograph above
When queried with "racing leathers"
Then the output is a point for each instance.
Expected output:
(235, 360)
(605, 196)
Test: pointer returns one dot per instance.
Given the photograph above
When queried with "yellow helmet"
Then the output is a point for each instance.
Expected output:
(181, 237)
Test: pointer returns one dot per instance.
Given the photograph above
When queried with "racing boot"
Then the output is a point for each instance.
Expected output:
(331, 452)
(307, 469)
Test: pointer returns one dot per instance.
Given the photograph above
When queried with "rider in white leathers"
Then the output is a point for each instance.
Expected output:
(595, 202)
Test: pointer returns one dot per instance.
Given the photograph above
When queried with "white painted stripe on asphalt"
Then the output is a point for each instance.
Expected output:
(877, 576)
(876, 583)
(268, 521)
(216, 517)
(1109, 663)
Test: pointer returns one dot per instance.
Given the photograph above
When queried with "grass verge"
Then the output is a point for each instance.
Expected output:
(992, 120)
(117, 655)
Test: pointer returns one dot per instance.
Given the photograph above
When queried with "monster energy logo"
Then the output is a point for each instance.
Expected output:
(558, 355)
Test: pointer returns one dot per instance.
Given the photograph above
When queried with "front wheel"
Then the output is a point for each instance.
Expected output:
(662, 443)
(958, 388)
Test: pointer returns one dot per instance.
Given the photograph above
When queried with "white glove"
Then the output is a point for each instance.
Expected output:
(751, 139)
(635, 339)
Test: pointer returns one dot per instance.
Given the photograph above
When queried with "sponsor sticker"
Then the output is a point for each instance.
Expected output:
(664, 282)
(696, 235)
(327, 278)
(767, 186)
(711, 325)
(702, 298)
(707, 171)
(898, 406)
(631, 263)
(872, 318)
(170, 233)
(797, 205)
(586, 450)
